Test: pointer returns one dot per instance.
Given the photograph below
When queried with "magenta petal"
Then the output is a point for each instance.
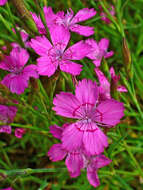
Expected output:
(92, 43)
(65, 104)
(83, 14)
(9, 188)
(71, 67)
(16, 84)
(56, 153)
(104, 88)
(121, 88)
(46, 67)
(2, 2)
(49, 16)
(74, 163)
(56, 131)
(97, 62)
(5, 129)
(5, 63)
(82, 30)
(101, 161)
(112, 72)
(92, 177)
(72, 137)
(41, 45)
(19, 132)
(60, 36)
(109, 54)
(30, 71)
(39, 24)
(110, 112)
(94, 141)
(77, 51)
(87, 92)
(20, 55)
(103, 44)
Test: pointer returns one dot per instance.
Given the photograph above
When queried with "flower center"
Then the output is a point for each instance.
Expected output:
(84, 112)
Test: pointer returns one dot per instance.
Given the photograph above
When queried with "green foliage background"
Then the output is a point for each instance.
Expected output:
(126, 140)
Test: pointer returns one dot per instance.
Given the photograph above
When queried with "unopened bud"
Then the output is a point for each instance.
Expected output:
(25, 15)
(127, 58)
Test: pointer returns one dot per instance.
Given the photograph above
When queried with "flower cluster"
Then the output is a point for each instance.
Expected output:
(82, 142)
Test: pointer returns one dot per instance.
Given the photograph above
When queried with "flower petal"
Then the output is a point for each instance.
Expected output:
(109, 54)
(5, 129)
(109, 112)
(19, 132)
(41, 45)
(93, 177)
(2, 2)
(56, 131)
(104, 88)
(104, 44)
(74, 163)
(86, 92)
(30, 71)
(16, 83)
(82, 30)
(101, 161)
(94, 140)
(19, 55)
(65, 104)
(60, 36)
(46, 67)
(71, 67)
(49, 16)
(77, 51)
(121, 88)
(83, 14)
(56, 153)
(72, 137)
(39, 24)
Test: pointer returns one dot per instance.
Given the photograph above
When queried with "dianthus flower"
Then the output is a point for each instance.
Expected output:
(104, 15)
(68, 21)
(104, 88)
(2, 2)
(54, 55)
(7, 114)
(78, 159)
(99, 50)
(91, 114)
(19, 132)
(19, 75)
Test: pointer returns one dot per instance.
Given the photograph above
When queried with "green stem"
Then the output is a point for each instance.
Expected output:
(133, 158)
(110, 17)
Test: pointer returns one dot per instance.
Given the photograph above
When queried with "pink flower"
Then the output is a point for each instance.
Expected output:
(9, 188)
(2, 2)
(99, 50)
(19, 132)
(54, 55)
(104, 88)
(7, 114)
(70, 21)
(19, 75)
(104, 16)
(39, 24)
(77, 160)
(84, 106)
